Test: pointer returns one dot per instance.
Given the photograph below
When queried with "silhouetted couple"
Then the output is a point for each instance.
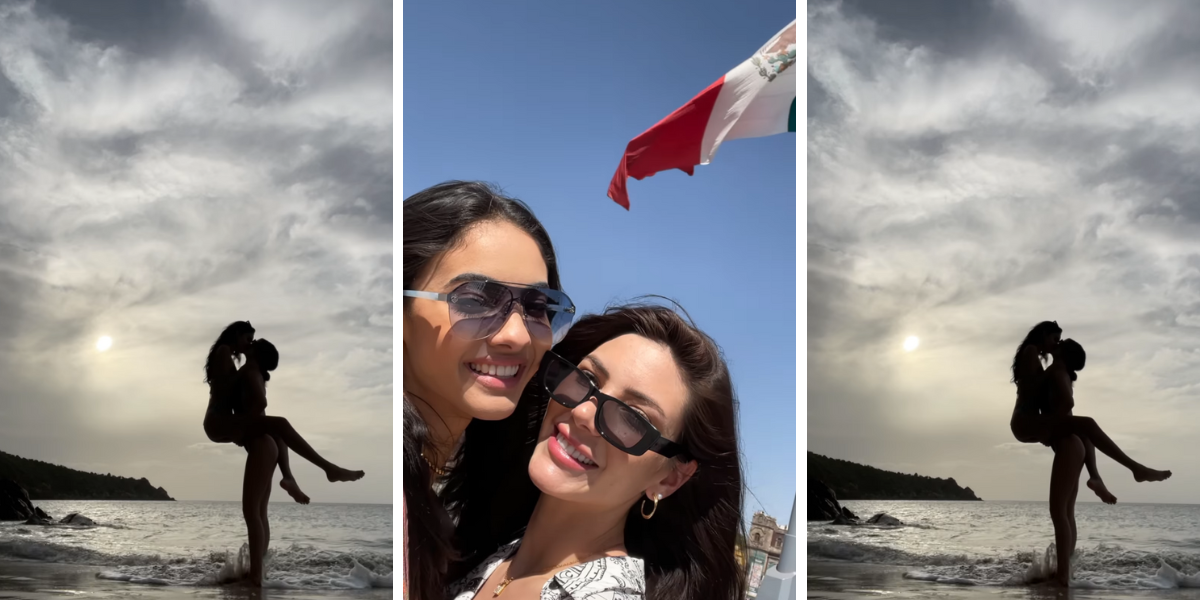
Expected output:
(1043, 414)
(236, 414)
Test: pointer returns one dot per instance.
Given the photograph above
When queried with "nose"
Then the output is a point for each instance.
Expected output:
(514, 334)
(584, 415)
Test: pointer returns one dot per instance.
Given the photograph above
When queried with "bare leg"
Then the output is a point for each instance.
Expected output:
(1071, 514)
(262, 509)
(288, 483)
(260, 466)
(1094, 481)
(1064, 477)
(281, 428)
(1086, 428)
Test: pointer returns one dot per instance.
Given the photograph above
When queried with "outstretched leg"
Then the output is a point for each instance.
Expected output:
(280, 427)
(1064, 478)
(1094, 480)
(288, 483)
(1087, 428)
(260, 467)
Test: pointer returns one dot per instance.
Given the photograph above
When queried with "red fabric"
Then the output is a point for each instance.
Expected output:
(673, 143)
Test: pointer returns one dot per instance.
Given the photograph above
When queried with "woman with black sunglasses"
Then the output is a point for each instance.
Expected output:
(482, 304)
(625, 483)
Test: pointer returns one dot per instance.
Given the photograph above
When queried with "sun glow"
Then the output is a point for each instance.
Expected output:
(911, 343)
(104, 343)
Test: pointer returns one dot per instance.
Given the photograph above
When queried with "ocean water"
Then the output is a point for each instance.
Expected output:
(319, 546)
(1121, 547)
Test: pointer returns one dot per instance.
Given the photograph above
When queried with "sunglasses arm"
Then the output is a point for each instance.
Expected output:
(426, 295)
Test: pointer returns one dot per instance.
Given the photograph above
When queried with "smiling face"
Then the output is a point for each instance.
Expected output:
(479, 379)
(573, 462)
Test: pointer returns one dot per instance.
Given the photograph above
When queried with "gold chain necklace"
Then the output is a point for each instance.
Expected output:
(509, 578)
(440, 472)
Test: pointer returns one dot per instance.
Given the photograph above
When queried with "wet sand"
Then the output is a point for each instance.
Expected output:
(833, 580)
(44, 581)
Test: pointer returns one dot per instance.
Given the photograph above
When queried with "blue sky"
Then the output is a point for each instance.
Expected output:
(542, 103)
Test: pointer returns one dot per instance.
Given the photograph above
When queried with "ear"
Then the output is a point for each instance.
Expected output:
(679, 475)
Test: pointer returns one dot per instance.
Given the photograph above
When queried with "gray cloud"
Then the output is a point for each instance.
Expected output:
(976, 167)
(170, 167)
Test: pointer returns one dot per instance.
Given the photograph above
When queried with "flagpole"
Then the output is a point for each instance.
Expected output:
(780, 581)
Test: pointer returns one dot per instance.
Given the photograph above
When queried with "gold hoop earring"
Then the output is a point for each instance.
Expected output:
(657, 497)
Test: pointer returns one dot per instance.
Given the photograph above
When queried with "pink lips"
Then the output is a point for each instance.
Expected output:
(561, 457)
(494, 382)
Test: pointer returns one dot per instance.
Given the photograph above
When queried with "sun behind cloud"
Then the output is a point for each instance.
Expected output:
(911, 342)
(104, 343)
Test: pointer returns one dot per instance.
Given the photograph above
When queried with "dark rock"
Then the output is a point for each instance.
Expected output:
(822, 502)
(36, 520)
(77, 519)
(884, 519)
(14, 501)
(41, 514)
(849, 515)
(844, 520)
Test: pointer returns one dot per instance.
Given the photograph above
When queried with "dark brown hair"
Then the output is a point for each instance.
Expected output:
(1034, 337)
(1073, 357)
(435, 220)
(689, 545)
(228, 337)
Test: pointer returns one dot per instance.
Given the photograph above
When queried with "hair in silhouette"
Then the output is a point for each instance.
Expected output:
(1035, 337)
(688, 547)
(228, 337)
(266, 356)
(1073, 356)
(435, 220)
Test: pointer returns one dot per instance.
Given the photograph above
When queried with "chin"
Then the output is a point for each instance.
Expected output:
(488, 407)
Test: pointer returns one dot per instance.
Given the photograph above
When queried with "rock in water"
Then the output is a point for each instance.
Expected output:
(14, 501)
(77, 519)
(41, 514)
(884, 519)
(822, 502)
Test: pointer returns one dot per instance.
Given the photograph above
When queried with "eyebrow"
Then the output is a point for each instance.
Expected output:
(468, 277)
(639, 397)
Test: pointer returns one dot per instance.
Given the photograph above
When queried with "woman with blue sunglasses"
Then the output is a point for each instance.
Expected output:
(482, 305)
(618, 478)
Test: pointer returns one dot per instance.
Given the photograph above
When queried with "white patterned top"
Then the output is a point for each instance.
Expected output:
(607, 578)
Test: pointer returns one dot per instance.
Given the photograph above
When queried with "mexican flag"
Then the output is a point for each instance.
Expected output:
(757, 98)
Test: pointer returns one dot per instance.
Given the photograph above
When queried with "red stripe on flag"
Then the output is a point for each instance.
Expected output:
(673, 143)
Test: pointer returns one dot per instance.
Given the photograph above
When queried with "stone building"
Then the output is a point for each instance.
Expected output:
(764, 544)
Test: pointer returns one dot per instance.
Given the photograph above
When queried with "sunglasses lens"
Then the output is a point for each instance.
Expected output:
(480, 308)
(567, 385)
(478, 299)
(626, 428)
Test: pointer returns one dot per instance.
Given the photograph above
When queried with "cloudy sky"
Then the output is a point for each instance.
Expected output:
(168, 168)
(975, 167)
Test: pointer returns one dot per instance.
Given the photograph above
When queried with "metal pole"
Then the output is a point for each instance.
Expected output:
(780, 581)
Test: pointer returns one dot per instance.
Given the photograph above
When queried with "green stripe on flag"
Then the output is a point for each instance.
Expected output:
(792, 118)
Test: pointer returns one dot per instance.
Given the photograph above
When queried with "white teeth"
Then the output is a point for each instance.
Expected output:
(495, 370)
(572, 452)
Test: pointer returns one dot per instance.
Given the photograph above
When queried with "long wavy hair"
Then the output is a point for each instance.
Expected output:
(228, 337)
(435, 220)
(1034, 337)
(689, 546)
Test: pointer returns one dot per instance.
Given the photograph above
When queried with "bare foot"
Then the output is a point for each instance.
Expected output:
(1148, 474)
(340, 474)
(1097, 486)
(293, 489)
